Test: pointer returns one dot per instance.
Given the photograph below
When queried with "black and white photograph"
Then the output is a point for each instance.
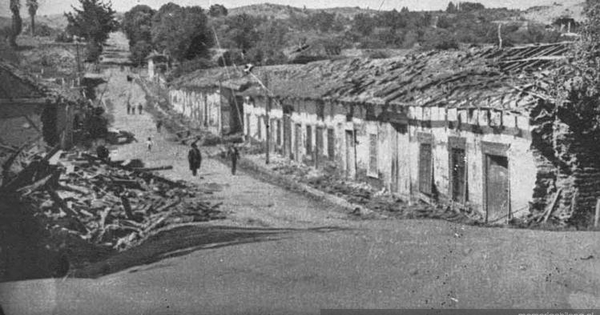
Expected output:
(266, 157)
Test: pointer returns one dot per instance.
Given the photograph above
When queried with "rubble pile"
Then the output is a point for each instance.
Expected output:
(369, 197)
(99, 206)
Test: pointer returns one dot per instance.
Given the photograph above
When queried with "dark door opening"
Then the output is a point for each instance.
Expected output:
(459, 176)
(497, 188)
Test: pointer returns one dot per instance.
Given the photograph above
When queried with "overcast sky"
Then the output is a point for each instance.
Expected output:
(60, 6)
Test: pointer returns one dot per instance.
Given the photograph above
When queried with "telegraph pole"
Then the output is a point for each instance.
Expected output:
(267, 119)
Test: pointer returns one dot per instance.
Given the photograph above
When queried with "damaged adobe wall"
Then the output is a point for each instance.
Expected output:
(568, 165)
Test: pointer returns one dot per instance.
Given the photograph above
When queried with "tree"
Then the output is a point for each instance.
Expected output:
(439, 39)
(217, 10)
(363, 24)
(243, 31)
(93, 22)
(470, 6)
(182, 32)
(137, 26)
(451, 8)
(32, 7)
(323, 21)
(17, 22)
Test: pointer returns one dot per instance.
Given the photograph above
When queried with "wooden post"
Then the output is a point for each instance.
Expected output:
(499, 35)
(267, 118)
(597, 217)
(220, 112)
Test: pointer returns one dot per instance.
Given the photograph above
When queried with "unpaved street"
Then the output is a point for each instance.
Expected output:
(281, 253)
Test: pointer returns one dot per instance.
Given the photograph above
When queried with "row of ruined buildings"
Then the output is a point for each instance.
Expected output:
(460, 128)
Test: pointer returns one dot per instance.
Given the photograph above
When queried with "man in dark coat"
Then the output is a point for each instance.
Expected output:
(195, 159)
(234, 154)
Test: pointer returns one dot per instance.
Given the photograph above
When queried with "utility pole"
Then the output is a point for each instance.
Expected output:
(267, 118)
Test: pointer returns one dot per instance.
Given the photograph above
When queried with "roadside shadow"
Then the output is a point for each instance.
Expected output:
(184, 240)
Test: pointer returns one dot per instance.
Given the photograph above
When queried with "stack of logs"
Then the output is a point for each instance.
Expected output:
(105, 204)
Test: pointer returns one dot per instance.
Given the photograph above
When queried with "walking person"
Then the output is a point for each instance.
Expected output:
(234, 154)
(128, 108)
(195, 159)
(158, 125)
(139, 108)
(149, 143)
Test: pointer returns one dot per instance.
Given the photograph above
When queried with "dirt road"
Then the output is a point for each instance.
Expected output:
(280, 253)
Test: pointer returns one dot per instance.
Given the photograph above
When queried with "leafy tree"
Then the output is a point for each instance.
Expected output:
(451, 8)
(323, 21)
(243, 31)
(182, 32)
(137, 26)
(363, 24)
(17, 22)
(470, 6)
(32, 7)
(439, 39)
(139, 51)
(93, 22)
(217, 10)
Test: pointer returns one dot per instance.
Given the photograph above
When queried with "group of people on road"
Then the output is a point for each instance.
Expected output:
(131, 109)
(195, 158)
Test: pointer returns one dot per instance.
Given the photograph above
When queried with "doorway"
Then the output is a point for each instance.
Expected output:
(497, 188)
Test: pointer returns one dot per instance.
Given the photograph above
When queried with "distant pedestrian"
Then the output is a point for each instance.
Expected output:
(140, 108)
(128, 108)
(234, 154)
(158, 125)
(195, 159)
(149, 143)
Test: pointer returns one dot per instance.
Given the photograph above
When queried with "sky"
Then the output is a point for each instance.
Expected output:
(48, 7)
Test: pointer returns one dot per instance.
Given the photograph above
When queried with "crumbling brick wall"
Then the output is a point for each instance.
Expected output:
(568, 164)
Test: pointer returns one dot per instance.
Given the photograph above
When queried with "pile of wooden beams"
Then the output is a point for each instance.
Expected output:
(105, 204)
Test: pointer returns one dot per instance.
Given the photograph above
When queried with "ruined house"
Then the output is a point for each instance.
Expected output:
(456, 127)
(210, 98)
(32, 111)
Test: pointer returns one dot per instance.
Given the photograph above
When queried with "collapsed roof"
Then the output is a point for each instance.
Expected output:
(18, 86)
(508, 79)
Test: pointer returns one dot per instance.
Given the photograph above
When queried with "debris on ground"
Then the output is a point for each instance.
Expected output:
(94, 206)
(367, 197)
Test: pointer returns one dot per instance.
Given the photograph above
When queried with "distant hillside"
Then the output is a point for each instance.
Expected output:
(267, 9)
(57, 21)
(283, 11)
(548, 14)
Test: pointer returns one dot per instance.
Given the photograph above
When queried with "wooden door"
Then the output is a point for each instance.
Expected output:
(319, 146)
(497, 188)
(297, 140)
(287, 135)
(459, 175)
(350, 155)
(425, 169)
(395, 175)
